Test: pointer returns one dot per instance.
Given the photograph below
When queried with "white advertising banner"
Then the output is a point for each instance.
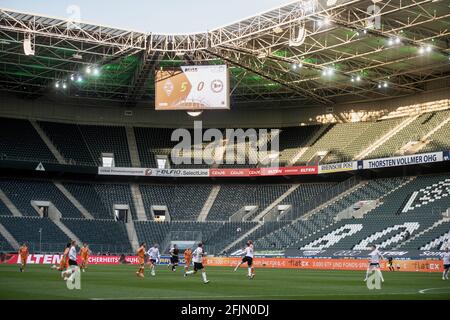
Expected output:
(117, 171)
(178, 172)
(149, 172)
(338, 167)
(403, 160)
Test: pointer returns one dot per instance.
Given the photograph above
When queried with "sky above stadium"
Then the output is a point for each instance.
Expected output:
(159, 16)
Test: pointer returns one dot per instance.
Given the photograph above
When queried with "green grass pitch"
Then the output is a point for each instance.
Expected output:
(120, 282)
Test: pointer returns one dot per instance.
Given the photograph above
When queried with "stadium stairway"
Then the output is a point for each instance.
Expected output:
(431, 133)
(9, 238)
(48, 142)
(322, 130)
(414, 238)
(132, 235)
(379, 200)
(11, 207)
(277, 201)
(132, 147)
(384, 220)
(208, 203)
(312, 212)
(439, 240)
(300, 227)
(138, 202)
(66, 231)
(241, 238)
(374, 146)
(74, 201)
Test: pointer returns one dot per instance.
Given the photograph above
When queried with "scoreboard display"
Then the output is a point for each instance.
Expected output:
(193, 88)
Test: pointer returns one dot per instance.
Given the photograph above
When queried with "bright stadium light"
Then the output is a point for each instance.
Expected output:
(96, 71)
(57, 85)
(64, 86)
(79, 78)
(383, 84)
(72, 77)
(296, 66)
(393, 41)
(356, 78)
(328, 72)
(88, 70)
(425, 49)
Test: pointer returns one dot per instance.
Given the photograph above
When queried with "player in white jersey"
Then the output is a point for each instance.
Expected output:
(446, 260)
(154, 256)
(198, 255)
(374, 262)
(248, 258)
(73, 265)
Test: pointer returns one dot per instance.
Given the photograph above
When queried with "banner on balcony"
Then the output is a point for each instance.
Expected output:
(190, 173)
(413, 159)
(151, 172)
(338, 167)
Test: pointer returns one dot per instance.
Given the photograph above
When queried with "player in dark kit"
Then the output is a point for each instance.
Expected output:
(391, 264)
(174, 257)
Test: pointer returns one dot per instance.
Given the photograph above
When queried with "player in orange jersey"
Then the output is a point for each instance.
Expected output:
(141, 260)
(23, 256)
(64, 263)
(84, 253)
(187, 259)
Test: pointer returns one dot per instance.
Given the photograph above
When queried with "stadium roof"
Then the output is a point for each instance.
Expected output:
(315, 51)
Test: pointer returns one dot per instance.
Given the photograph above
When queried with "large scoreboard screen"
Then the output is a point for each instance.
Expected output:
(193, 87)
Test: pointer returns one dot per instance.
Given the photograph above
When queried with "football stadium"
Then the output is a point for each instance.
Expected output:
(298, 153)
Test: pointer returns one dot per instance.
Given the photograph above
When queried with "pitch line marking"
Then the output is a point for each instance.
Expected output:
(423, 291)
